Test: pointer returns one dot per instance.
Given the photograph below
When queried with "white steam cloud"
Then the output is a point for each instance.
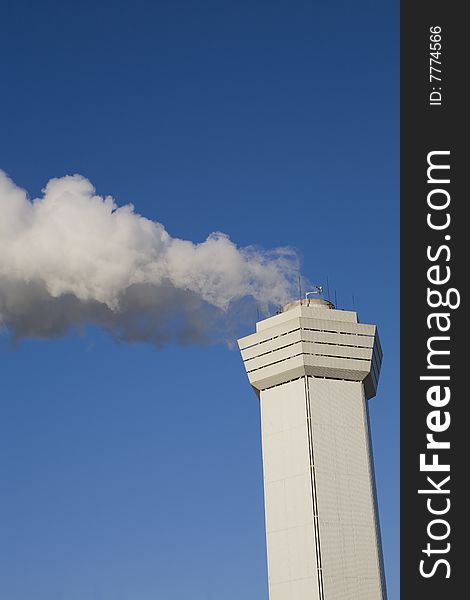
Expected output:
(72, 258)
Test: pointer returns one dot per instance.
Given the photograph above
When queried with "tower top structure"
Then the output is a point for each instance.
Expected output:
(311, 337)
(314, 302)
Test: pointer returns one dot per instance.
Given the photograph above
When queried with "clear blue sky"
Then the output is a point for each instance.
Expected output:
(132, 474)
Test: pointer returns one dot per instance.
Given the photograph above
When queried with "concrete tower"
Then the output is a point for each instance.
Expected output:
(314, 368)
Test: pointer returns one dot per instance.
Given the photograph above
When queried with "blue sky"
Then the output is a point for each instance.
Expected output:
(132, 474)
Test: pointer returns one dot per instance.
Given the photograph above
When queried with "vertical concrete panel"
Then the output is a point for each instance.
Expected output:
(344, 487)
(292, 560)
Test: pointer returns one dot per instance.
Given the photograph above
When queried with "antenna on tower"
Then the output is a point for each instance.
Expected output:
(328, 287)
(318, 289)
(336, 300)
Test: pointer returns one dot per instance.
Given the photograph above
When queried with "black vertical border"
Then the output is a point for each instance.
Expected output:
(426, 128)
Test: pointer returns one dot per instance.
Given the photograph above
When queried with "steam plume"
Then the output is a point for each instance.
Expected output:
(72, 258)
